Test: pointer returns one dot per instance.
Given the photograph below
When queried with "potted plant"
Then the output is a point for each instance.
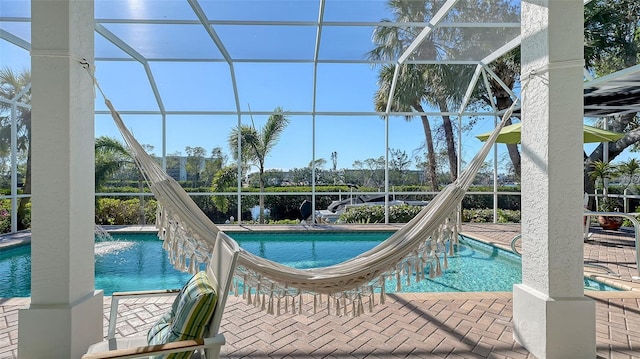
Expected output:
(609, 204)
(604, 171)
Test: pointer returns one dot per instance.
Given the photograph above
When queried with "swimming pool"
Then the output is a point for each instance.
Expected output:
(138, 262)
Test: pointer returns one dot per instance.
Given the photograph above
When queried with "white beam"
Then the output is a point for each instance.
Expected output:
(612, 77)
(439, 16)
(15, 40)
(137, 56)
(515, 42)
(472, 85)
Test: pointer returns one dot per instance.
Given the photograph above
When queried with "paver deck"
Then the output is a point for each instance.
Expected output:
(420, 325)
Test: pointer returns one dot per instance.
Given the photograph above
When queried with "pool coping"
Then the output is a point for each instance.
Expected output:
(11, 240)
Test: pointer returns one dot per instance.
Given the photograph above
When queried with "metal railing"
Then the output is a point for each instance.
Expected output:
(630, 217)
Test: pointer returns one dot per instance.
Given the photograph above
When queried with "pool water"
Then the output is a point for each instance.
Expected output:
(137, 262)
(475, 267)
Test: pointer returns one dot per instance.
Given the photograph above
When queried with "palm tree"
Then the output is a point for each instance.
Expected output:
(629, 169)
(11, 85)
(111, 157)
(506, 68)
(256, 145)
(443, 90)
(408, 96)
(410, 86)
(441, 84)
(602, 171)
(225, 177)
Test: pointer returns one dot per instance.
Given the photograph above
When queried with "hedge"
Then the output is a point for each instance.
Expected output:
(112, 211)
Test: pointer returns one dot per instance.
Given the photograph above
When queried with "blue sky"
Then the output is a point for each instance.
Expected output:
(353, 137)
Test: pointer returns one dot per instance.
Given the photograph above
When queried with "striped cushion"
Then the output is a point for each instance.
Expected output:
(188, 317)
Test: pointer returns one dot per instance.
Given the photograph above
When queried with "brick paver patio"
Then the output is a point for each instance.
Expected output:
(421, 325)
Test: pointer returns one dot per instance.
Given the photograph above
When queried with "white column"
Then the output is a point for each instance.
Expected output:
(551, 316)
(65, 315)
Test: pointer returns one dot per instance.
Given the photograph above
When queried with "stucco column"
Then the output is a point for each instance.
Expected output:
(65, 315)
(551, 316)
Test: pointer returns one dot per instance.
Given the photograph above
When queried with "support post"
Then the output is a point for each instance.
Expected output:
(551, 316)
(65, 314)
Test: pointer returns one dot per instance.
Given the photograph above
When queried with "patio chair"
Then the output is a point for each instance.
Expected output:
(195, 306)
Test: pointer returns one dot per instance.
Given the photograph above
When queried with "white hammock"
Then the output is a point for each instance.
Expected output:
(189, 236)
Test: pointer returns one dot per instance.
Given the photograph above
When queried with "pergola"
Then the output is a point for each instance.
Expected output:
(208, 48)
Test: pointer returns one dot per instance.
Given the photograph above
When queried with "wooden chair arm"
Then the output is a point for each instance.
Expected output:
(175, 347)
(145, 293)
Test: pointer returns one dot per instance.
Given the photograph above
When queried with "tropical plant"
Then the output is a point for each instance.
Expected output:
(506, 68)
(112, 211)
(408, 97)
(216, 162)
(611, 35)
(16, 86)
(334, 167)
(411, 86)
(604, 171)
(444, 83)
(226, 177)
(256, 145)
(399, 163)
(111, 157)
(629, 169)
(612, 29)
(436, 85)
(195, 164)
(609, 204)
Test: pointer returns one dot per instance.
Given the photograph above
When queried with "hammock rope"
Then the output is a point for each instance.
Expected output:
(348, 287)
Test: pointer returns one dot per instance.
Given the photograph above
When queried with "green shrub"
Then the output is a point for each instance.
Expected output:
(402, 213)
(113, 211)
(375, 214)
(285, 221)
(363, 214)
(26, 220)
(286, 207)
(511, 202)
(485, 215)
(5, 216)
(150, 210)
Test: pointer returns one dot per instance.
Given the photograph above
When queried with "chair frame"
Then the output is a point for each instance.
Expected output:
(220, 271)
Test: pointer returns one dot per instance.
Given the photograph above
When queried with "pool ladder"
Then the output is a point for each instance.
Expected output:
(588, 215)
